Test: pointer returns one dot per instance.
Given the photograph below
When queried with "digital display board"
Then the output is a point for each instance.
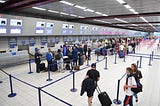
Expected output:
(15, 22)
(16, 30)
(49, 25)
(39, 30)
(3, 30)
(3, 21)
(40, 24)
(65, 26)
(32, 41)
(71, 26)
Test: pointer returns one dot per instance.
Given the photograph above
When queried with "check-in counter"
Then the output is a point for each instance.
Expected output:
(13, 57)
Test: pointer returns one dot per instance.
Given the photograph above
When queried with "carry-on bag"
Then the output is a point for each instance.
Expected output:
(103, 97)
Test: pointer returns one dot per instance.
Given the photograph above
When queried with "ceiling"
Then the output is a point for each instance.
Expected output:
(142, 15)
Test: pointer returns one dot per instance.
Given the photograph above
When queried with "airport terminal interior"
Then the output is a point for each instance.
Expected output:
(49, 49)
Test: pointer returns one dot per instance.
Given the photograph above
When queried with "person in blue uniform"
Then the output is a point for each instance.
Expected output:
(49, 57)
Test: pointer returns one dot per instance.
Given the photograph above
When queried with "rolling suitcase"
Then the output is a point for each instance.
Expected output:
(42, 67)
(81, 60)
(103, 98)
(121, 54)
(54, 66)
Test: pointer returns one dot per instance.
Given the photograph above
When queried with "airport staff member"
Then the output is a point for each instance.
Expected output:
(89, 83)
(49, 57)
(37, 56)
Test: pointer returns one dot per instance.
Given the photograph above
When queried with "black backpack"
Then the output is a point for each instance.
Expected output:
(58, 56)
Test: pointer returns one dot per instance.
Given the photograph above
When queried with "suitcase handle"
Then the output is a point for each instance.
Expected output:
(98, 89)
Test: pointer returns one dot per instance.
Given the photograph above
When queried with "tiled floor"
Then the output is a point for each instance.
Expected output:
(28, 96)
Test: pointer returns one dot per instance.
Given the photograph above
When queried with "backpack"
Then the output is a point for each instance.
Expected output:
(58, 56)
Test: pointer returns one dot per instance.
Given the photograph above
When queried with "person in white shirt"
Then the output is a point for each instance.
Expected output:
(130, 83)
(121, 47)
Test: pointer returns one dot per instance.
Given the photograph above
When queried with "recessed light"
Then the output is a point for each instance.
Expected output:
(80, 7)
(120, 20)
(121, 1)
(1, 1)
(98, 13)
(53, 11)
(64, 13)
(73, 15)
(89, 10)
(39, 8)
(68, 3)
(127, 6)
(104, 14)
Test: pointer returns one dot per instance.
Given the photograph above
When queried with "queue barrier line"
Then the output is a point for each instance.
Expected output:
(142, 56)
(146, 54)
(56, 98)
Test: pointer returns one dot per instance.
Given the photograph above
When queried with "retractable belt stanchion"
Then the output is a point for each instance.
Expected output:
(30, 71)
(106, 64)
(11, 87)
(124, 59)
(49, 70)
(73, 89)
(150, 59)
(1, 82)
(137, 63)
(115, 58)
(97, 57)
(152, 55)
(140, 64)
(39, 96)
(117, 101)
(87, 61)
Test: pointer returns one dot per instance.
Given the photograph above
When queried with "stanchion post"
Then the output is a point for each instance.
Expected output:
(124, 59)
(11, 87)
(87, 60)
(30, 71)
(49, 79)
(97, 57)
(152, 55)
(115, 58)
(1, 82)
(150, 60)
(39, 96)
(73, 89)
(117, 101)
(137, 63)
(140, 64)
(106, 64)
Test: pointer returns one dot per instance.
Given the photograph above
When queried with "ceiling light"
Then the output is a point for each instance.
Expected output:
(64, 13)
(134, 24)
(121, 1)
(80, 7)
(53, 11)
(127, 6)
(68, 3)
(104, 14)
(1, 1)
(80, 16)
(135, 12)
(98, 13)
(144, 19)
(73, 15)
(131, 9)
(39, 8)
(120, 20)
(89, 10)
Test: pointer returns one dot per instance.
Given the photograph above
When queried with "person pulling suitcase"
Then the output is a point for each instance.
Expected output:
(89, 83)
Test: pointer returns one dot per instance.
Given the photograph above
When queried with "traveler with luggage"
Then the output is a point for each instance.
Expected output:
(89, 83)
(130, 83)
(49, 57)
(59, 59)
(37, 56)
(137, 75)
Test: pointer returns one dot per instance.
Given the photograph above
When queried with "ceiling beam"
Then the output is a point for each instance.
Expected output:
(26, 4)
(137, 23)
(121, 16)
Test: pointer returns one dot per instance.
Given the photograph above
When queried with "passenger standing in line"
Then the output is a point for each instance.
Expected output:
(137, 75)
(89, 53)
(89, 83)
(85, 49)
(37, 56)
(59, 59)
(130, 83)
(75, 55)
(49, 58)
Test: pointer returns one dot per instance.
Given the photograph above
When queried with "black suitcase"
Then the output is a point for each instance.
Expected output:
(54, 66)
(42, 67)
(103, 98)
(81, 60)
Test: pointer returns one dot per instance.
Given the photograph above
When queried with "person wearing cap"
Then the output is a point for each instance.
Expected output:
(89, 83)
